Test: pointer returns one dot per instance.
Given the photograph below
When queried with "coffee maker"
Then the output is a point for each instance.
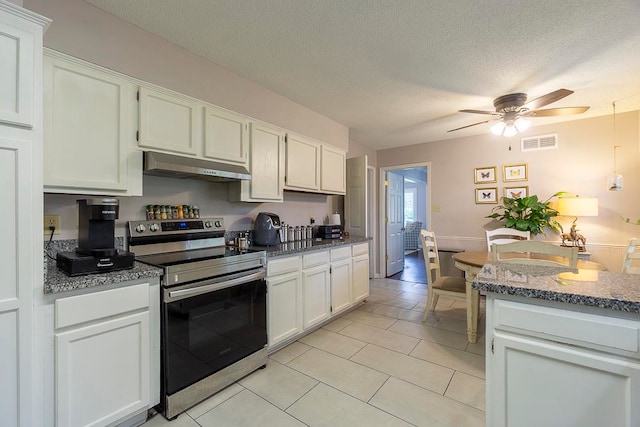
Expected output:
(96, 251)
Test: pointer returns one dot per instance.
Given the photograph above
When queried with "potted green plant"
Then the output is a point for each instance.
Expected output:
(528, 214)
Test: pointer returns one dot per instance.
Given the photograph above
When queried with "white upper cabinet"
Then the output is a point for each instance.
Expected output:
(169, 122)
(313, 166)
(332, 170)
(303, 164)
(226, 136)
(90, 123)
(266, 161)
(17, 43)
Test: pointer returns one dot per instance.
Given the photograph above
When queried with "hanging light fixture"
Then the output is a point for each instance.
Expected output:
(510, 125)
(615, 180)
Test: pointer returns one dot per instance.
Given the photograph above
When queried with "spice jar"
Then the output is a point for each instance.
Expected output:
(150, 213)
(180, 212)
(196, 212)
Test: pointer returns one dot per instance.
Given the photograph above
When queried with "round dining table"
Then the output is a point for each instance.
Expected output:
(472, 262)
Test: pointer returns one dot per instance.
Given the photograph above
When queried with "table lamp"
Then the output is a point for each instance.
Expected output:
(576, 206)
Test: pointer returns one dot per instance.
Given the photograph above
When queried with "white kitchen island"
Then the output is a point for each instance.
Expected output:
(563, 349)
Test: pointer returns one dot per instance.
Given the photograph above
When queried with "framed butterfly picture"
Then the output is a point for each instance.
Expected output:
(516, 192)
(514, 173)
(486, 195)
(485, 175)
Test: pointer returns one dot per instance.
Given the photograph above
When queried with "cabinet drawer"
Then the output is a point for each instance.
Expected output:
(283, 265)
(340, 253)
(360, 249)
(584, 329)
(315, 258)
(98, 305)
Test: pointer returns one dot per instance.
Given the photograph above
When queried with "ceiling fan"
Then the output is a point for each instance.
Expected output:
(513, 109)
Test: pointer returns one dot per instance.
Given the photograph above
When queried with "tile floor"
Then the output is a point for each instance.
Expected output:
(376, 366)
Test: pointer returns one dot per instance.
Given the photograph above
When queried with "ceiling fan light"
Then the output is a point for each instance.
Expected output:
(498, 128)
(510, 130)
(522, 124)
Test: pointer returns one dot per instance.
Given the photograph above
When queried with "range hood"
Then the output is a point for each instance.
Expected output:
(160, 164)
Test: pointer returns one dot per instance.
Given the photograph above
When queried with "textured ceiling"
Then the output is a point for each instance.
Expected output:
(396, 71)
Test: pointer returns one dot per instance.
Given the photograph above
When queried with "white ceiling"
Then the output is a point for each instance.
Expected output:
(396, 71)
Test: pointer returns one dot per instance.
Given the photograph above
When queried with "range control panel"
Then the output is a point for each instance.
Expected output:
(175, 227)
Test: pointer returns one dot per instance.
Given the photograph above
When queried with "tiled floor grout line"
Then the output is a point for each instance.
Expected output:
(374, 406)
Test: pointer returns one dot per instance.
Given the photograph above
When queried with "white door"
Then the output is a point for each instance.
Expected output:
(395, 223)
(355, 201)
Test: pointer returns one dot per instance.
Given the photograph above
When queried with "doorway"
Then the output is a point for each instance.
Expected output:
(405, 190)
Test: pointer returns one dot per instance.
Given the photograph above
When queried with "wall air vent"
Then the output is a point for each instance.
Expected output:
(541, 142)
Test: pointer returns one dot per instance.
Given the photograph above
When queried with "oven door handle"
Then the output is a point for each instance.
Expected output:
(203, 289)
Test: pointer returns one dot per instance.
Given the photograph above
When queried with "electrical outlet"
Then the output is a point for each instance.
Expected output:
(51, 221)
(436, 207)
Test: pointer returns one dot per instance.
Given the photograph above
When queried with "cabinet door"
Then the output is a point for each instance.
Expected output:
(266, 161)
(285, 307)
(340, 286)
(302, 164)
(89, 131)
(102, 371)
(332, 171)
(17, 44)
(226, 136)
(169, 122)
(542, 383)
(360, 282)
(16, 286)
(316, 295)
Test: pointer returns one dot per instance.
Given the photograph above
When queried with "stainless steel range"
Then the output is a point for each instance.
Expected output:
(213, 307)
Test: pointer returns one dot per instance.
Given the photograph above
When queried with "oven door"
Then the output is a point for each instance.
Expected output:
(209, 325)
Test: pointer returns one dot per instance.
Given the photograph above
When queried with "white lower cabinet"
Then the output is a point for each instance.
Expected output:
(103, 357)
(306, 290)
(316, 288)
(360, 272)
(284, 299)
(547, 366)
(340, 279)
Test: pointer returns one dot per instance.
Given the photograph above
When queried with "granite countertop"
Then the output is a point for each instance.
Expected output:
(56, 280)
(300, 246)
(602, 289)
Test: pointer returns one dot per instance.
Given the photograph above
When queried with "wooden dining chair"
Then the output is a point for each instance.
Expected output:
(631, 262)
(501, 236)
(449, 286)
(533, 252)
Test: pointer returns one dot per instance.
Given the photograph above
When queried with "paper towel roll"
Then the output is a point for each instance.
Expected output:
(335, 219)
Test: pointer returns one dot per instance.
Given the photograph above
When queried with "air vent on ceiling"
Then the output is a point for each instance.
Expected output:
(541, 142)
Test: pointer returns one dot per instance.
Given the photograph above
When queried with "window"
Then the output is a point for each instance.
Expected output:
(410, 200)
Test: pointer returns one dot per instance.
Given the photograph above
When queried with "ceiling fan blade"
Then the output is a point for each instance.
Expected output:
(479, 112)
(468, 126)
(547, 99)
(564, 111)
